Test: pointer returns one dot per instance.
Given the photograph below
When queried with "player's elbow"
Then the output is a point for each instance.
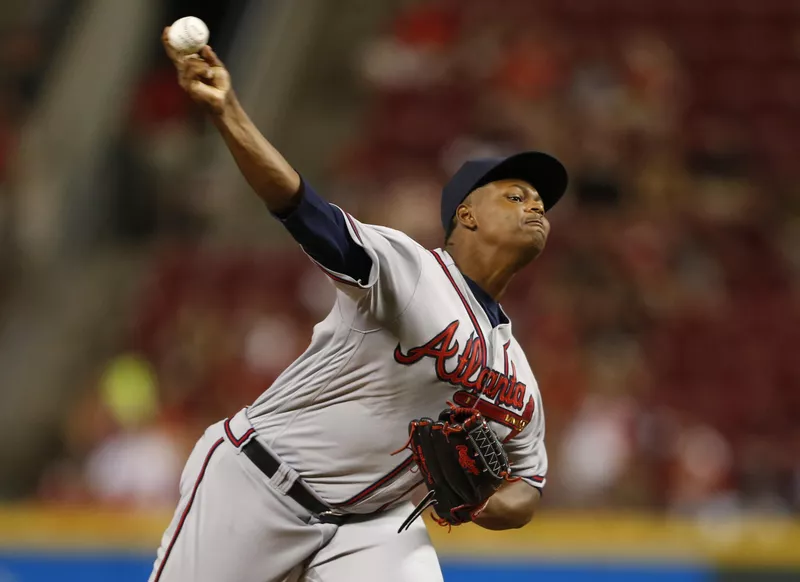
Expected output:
(502, 519)
(519, 517)
(525, 518)
(509, 510)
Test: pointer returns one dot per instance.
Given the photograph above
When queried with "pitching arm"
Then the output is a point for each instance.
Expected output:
(206, 80)
(265, 169)
(318, 227)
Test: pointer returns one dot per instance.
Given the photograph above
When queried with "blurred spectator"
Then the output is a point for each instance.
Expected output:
(119, 453)
(701, 471)
(29, 33)
(160, 182)
(415, 52)
(654, 87)
(595, 451)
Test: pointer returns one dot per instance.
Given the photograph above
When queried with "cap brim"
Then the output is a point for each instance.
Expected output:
(542, 171)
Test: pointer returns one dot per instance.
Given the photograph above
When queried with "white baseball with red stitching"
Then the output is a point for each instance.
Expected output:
(188, 35)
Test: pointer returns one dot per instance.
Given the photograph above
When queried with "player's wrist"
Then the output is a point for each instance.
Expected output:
(229, 112)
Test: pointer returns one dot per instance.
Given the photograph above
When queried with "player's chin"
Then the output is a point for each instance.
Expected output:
(538, 234)
(533, 243)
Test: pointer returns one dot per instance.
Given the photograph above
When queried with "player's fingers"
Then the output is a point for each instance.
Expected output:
(196, 68)
(193, 69)
(171, 52)
(203, 93)
(211, 57)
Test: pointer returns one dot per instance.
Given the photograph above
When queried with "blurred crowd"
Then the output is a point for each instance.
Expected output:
(29, 31)
(662, 320)
(159, 183)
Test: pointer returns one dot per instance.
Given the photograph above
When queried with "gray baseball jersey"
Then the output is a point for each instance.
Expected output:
(408, 337)
(396, 347)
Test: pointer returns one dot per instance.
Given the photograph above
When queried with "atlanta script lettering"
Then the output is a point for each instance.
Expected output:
(490, 391)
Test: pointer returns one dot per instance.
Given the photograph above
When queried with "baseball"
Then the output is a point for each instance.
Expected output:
(188, 35)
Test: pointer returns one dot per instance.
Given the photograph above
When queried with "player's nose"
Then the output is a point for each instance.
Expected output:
(535, 208)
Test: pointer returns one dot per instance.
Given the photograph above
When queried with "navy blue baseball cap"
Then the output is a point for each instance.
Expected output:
(540, 170)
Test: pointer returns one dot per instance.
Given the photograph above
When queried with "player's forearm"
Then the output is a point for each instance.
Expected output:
(512, 507)
(264, 168)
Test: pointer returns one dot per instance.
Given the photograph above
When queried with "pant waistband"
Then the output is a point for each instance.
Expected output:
(241, 434)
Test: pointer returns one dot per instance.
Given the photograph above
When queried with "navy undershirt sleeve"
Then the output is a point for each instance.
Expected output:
(321, 230)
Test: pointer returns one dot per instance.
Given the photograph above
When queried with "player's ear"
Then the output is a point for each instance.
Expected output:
(466, 217)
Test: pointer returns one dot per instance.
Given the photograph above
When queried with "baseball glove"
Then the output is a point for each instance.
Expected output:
(462, 461)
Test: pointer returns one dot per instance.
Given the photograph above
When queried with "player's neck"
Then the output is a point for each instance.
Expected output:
(489, 268)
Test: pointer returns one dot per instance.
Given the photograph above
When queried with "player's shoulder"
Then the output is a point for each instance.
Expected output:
(395, 237)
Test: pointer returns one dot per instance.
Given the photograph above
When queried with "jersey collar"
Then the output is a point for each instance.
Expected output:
(492, 309)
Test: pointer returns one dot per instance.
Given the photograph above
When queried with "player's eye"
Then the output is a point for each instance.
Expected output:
(515, 198)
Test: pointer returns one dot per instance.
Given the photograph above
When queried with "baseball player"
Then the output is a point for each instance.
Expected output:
(307, 483)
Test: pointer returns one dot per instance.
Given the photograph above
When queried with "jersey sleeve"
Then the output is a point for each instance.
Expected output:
(527, 452)
(377, 267)
(321, 230)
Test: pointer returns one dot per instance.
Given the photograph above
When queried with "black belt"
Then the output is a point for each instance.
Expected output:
(268, 464)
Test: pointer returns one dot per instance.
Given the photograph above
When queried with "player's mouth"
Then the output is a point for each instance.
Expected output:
(536, 222)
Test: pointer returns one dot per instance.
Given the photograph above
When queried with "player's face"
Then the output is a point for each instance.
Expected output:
(510, 213)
